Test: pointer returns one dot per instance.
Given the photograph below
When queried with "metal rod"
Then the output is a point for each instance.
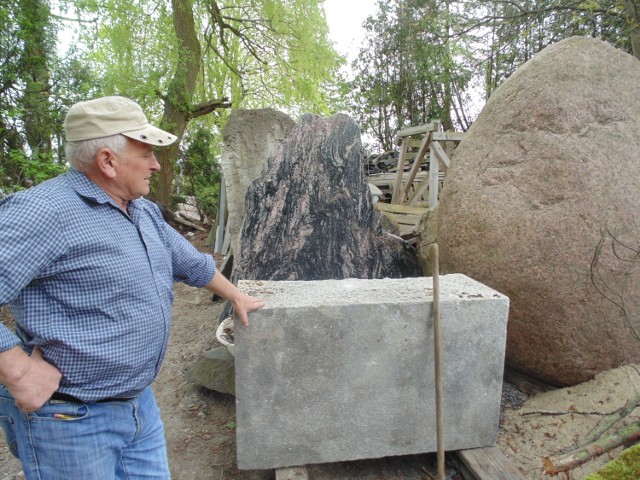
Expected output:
(437, 344)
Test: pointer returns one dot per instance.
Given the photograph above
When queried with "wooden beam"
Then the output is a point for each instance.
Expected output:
(448, 136)
(419, 192)
(422, 152)
(403, 219)
(404, 209)
(487, 464)
(442, 155)
(397, 188)
(421, 188)
(434, 176)
(382, 179)
(417, 130)
(403, 230)
(187, 223)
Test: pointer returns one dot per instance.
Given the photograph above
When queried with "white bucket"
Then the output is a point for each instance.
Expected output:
(224, 338)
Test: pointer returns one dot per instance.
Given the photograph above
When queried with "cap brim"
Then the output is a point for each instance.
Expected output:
(151, 135)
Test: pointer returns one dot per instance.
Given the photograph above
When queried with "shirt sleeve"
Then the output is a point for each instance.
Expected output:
(31, 239)
(189, 265)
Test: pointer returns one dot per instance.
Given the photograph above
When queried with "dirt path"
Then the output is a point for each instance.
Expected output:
(199, 423)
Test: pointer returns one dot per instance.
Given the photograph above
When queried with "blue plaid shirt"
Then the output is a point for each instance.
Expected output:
(91, 286)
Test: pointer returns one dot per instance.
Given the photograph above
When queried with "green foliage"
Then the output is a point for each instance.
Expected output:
(257, 53)
(410, 71)
(132, 45)
(625, 467)
(421, 57)
(30, 117)
(419, 62)
(22, 171)
(176, 58)
(199, 171)
(283, 58)
(515, 31)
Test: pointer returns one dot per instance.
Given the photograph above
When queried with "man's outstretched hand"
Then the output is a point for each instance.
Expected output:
(241, 302)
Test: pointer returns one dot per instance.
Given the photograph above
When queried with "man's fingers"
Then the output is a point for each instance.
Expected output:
(243, 319)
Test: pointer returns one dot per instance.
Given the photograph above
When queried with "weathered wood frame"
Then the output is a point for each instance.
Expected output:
(410, 192)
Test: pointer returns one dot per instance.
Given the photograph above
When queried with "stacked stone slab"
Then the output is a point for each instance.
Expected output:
(341, 370)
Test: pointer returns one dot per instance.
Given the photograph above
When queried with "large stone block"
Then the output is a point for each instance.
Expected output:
(340, 370)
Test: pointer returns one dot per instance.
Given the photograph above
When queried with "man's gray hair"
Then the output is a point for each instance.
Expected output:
(82, 154)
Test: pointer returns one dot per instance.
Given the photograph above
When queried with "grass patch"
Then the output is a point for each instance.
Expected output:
(625, 467)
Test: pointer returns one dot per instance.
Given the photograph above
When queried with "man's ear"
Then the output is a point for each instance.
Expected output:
(105, 162)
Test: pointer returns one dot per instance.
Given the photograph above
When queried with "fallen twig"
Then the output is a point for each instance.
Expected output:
(607, 422)
(557, 464)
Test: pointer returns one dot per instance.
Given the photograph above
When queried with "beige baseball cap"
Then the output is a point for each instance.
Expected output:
(107, 116)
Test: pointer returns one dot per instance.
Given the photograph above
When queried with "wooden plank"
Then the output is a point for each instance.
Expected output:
(448, 136)
(407, 231)
(422, 187)
(403, 230)
(434, 171)
(397, 188)
(387, 207)
(417, 130)
(419, 192)
(422, 152)
(180, 219)
(382, 179)
(487, 464)
(292, 473)
(444, 158)
(403, 219)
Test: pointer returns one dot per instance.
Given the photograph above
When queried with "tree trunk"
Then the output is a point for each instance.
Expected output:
(34, 68)
(177, 102)
(632, 13)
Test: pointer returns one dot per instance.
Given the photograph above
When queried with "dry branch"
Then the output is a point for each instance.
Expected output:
(557, 464)
(607, 422)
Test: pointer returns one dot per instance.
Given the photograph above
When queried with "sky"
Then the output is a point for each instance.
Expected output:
(345, 18)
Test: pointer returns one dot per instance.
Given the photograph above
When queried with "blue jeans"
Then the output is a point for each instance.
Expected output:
(80, 441)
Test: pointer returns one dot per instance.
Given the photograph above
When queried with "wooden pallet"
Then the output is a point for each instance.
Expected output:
(486, 464)
(406, 218)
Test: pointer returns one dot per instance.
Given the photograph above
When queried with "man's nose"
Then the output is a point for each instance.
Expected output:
(155, 166)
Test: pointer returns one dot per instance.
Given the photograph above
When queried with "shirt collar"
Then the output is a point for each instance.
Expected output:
(89, 190)
(86, 188)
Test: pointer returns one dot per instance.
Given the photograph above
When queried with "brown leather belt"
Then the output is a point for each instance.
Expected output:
(65, 397)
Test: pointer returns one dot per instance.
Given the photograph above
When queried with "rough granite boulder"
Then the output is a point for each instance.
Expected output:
(310, 215)
(250, 137)
(542, 203)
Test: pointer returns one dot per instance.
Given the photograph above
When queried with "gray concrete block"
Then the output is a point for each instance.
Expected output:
(342, 370)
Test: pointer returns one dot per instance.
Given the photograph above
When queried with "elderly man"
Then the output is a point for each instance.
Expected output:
(87, 266)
